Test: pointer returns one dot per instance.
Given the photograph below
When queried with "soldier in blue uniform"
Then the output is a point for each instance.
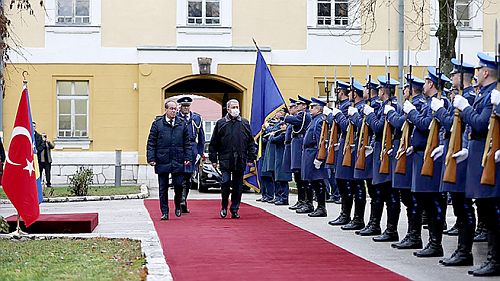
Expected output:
(487, 197)
(197, 138)
(280, 176)
(359, 176)
(462, 207)
(412, 92)
(313, 170)
(267, 165)
(427, 188)
(382, 183)
(299, 122)
(343, 175)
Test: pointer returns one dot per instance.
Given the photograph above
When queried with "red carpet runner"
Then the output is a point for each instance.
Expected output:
(259, 246)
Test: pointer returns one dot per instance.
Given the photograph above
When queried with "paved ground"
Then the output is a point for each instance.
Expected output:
(129, 218)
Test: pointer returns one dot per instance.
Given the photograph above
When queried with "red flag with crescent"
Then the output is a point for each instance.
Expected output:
(19, 178)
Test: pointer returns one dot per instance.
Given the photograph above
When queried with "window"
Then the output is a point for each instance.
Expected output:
(208, 127)
(203, 12)
(462, 12)
(73, 11)
(72, 109)
(333, 12)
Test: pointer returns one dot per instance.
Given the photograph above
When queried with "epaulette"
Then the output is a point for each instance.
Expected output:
(379, 101)
(158, 117)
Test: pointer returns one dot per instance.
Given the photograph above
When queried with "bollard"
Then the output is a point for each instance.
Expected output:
(118, 167)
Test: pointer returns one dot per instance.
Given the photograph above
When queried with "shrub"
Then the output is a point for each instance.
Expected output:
(79, 183)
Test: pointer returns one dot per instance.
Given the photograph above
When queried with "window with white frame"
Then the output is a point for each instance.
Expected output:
(462, 12)
(203, 12)
(208, 127)
(73, 11)
(333, 12)
(72, 109)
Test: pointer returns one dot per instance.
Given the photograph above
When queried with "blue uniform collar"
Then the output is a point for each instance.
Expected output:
(488, 88)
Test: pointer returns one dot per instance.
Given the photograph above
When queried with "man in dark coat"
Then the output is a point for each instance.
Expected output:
(232, 147)
(169, 151)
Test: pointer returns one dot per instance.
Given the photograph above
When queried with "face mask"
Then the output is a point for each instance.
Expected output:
(234, 112)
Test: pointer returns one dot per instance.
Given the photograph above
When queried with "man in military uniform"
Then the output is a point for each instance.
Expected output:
(477, 117)
(427, 187)
(313, 170)
(383, 191)
(197, 138)
(402, 181)
(284, 171)
(267, 175)
(299, 122)
(462, 207)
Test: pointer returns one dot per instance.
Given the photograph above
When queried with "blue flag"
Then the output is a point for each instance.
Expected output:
(266, 101)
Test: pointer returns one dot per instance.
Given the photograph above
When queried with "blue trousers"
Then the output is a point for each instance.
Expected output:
(232, 183)
(281, 191)
(267, 186)
(177, 180)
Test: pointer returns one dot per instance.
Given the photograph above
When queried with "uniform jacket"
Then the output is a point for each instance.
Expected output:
(168, 146)
(310, 152)
(194, 123)
(299, 122)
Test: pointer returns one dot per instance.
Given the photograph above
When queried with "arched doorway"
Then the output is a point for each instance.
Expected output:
(214, 87)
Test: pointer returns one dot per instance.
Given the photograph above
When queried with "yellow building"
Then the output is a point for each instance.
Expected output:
(99, 70)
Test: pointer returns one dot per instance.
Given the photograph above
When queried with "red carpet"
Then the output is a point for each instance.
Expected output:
(59, 223)
(258, 246)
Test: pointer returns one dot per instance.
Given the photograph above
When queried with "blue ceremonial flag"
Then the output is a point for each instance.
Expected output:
(266, 101)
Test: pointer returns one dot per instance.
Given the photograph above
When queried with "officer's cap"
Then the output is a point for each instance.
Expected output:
(466, 67)
(373, 84)
(387, 84)
(293, 102)
(433, 76)
(486, 61)
(416, 82)
(303, 100)
(185, 101)
(358, 87)
(343, 85)
(315, 101)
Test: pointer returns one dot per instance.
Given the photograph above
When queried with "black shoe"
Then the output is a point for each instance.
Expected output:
(387, 237)
(330, 200)
(164, 217)
(430, 250)
(234, 215)
(178, 212)
(319, 212)
(458, 259)
(371, 230)
(281, 203)
(260, 199)
(452, 231)
(223, 212)
(476, 268)
(341, 220)
(297, 206)
(354, 224)
(306, 208)
(490, 269)
(184, 209)
(271, 201)
(408, 244)
(481, 237)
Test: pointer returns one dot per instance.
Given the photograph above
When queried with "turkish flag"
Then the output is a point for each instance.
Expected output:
(19, 178)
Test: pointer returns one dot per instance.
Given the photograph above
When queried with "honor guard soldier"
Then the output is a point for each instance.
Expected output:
(197, 138)
(428, 197)
(313, 170)
(359, 175)
(401, 179)
(487, 196)
(267, 166)
(344, 175)
(299, 122)
(276, 146)
(462, 207)
(383, 191)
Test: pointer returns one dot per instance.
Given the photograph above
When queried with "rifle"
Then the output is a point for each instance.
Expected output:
(385, 163)
(363, 138)
(347, 161)
(493, 139)
(455, 144)
(334, 132)
(405, 137)
(322, 141)
(433, 138)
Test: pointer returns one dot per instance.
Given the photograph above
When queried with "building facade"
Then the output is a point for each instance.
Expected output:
(99, 70)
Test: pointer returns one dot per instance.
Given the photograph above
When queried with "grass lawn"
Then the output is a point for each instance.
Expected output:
(69, 259)
(93, 191)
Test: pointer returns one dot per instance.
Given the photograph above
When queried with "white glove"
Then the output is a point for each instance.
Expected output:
(368, 150)
(436, 104)
(351, 111)
(336, 146)
(335, 111)
(326, 110)
(317, 163)
(408, 106)
(461, 155)
(460, 102)
(495, 98)
(198, 157)
(437, 152)
(497, 156)
(389, 152)
(368, 109)
(388, 108)
(409, 150)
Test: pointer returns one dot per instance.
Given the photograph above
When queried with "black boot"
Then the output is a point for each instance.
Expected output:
(371, 221)
(306, 208)
(413, 238)
(357, 223)
(373, 227)
(319, 212)
(297, 205)
(453, 231)
(433, 247)
(481, 235)
(492, 265)
(185, 192)
(344, 217)
(389, 235)
(463, 255)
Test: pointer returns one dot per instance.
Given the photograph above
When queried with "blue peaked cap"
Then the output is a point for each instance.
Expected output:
(373, 84)
(343, 85)
(486, 61)
(185, 101)
(303, 100)
(358, 87)
(416, 82)
(466, 67)
(384, 83)
(433, 76)
(315, 101)
(292, 101)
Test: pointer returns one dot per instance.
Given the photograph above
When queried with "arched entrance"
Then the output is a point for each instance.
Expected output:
(214, 87)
